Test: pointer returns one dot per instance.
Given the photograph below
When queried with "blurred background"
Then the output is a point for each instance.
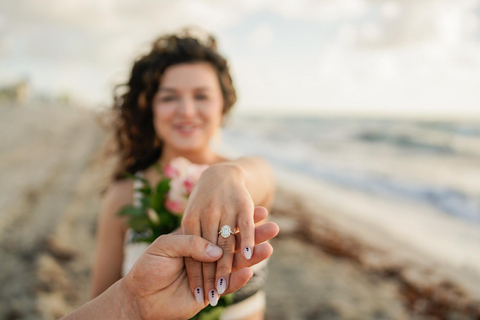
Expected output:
(368, 110)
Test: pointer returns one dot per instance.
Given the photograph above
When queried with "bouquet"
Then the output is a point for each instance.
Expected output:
(161, 209)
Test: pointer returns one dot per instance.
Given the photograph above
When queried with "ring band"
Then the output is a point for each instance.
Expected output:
(226, 231)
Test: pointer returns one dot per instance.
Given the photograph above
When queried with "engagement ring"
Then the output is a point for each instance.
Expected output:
(226, 231)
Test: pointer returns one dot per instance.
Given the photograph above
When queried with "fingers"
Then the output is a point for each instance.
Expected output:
(238, 279)
(194, 269)
(263, 233)
(224, 265)
(176, 231)
(247, 228)
(179, 246)
(211, 279)
(262, 252)
(209, 269)
(259, 214)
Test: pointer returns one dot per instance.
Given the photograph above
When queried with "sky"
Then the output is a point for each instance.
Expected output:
(346, 57)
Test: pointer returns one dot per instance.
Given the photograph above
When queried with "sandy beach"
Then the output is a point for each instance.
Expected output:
(334, 258)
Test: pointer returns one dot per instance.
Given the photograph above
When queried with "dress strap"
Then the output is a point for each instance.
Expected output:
(133, 250)
(137, 196)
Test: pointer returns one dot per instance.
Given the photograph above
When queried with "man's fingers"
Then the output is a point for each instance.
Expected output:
(263, 233)
(238, 279)
(262, 252)
(179, 246)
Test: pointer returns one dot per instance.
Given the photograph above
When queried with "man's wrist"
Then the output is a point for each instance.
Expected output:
(128, 305)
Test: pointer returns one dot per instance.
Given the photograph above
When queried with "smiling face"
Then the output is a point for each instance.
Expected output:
(187, 108)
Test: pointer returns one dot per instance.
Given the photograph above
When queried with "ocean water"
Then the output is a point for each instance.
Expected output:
(433, 163)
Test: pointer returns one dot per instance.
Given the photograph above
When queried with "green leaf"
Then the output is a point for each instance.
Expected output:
(163, 186)
(166, 219)
(139, 224)
(145, 190)
(156, 201)
(145, 203)
(228, 299)
(212, 313)
(131, 211)
(128, 175)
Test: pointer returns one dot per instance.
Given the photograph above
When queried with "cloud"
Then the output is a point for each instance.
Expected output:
(324, 10)
(105, 35)
(261, 37)
(412, 57)
(355, 54)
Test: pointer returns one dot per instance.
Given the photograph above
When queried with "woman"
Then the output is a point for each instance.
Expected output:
(175, 102)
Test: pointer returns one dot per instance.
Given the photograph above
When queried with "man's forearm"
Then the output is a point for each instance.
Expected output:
(112, 304)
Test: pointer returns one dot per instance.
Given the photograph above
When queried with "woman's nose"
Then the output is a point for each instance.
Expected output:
(187, 107)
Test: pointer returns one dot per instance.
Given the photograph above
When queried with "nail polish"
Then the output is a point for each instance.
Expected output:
(213, 297)
(199, 295)
(221, 285)
(247, 252)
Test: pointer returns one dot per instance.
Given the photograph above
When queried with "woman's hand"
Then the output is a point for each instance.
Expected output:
(220, 198)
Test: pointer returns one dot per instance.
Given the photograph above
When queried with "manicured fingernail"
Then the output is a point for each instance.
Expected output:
(221, 285)
(214, 251)
(213, 297)
(247, 253)
(199, 295)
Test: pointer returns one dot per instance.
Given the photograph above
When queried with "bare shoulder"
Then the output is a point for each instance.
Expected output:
(221, 158)
(120, 190)
(118, 194)
(246, 158)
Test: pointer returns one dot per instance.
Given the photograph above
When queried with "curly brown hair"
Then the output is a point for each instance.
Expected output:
(136, 142)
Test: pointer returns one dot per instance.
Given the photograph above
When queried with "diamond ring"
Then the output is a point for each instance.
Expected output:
(226, 231)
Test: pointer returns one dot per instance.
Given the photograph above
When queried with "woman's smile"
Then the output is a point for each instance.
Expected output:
(186, 129)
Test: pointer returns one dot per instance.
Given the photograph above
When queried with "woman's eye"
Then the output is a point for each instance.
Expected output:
(201, 97)
(168, 98)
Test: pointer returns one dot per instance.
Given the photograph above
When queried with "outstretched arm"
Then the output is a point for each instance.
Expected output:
(226, 194)
(257, 176)
(107, 266)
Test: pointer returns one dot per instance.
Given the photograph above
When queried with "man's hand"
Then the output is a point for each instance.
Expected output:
(158, 283)
(157, 286)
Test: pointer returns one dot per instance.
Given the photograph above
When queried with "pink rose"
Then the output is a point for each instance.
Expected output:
(179, 166)
(188, 184)
(183, 177)
(176, 197)
(194, 171)
(175, 206)
(169, 172)
(177, 188)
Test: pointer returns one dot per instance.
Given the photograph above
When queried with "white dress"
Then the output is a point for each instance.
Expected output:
(247, 300)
